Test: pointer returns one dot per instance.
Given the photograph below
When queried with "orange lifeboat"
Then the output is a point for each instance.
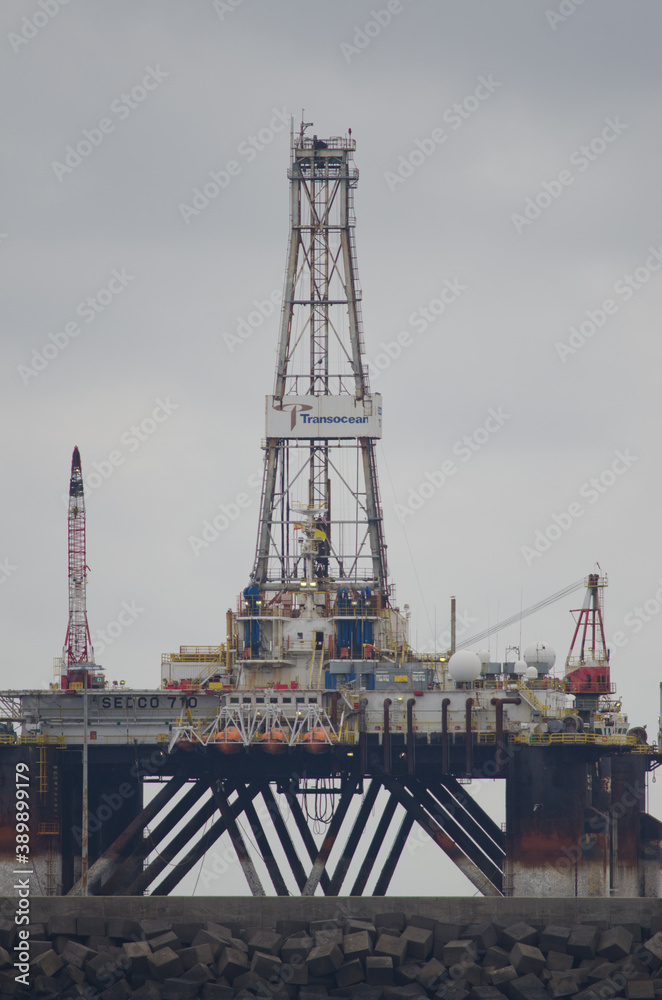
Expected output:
(275, 741)
(316, 740)
(229, 740)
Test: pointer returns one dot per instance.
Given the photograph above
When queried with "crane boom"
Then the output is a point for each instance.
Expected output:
(77, 643)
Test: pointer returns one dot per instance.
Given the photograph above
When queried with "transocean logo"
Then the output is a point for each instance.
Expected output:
(294, 408)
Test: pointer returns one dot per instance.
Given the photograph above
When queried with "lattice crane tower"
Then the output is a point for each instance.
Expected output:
(76, 668)
(320, 550)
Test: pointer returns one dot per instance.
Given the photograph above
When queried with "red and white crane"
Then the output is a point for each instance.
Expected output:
(78, 667)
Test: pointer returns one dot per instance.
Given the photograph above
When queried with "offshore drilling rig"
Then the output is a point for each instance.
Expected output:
(316, 710)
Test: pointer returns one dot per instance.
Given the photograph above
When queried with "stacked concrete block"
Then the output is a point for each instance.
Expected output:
(391, 957)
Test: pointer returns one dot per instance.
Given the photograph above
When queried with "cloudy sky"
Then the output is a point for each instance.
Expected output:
(508, 151)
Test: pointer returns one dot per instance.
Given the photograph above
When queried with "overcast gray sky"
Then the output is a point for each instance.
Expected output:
(509, 153)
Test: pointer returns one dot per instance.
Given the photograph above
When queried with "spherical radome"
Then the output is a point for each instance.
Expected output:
(483, 655)
(531, 674)
(520, 668)
(464, 666)
(539, 653)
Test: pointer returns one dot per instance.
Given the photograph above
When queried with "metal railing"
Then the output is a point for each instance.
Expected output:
(592, 739)
(529, 695)
(63, 741)
(348, 733)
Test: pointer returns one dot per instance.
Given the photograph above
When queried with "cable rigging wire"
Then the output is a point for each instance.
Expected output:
(479, 636)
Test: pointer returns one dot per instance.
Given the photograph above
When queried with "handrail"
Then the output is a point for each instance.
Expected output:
(593, 739)
(532, 699)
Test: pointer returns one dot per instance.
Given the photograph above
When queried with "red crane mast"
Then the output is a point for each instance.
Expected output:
(79, 669)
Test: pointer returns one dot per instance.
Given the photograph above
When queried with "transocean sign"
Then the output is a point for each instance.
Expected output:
(324, 416)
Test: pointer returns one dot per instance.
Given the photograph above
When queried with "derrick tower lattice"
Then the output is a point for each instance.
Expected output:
(320, 513)
(77, 643)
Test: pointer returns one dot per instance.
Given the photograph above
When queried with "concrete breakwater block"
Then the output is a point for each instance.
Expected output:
(390, 956)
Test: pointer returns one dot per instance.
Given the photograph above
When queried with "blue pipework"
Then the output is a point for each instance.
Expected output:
(353, 635)
(252, 628)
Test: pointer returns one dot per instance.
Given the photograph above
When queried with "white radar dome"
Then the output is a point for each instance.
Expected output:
(540, 654)
(483, 655)
(521, 667)
(464, 666)
(531, 674)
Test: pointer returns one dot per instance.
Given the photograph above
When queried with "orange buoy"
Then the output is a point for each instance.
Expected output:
(229, 740)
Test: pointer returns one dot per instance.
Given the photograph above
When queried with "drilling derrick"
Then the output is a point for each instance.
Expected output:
(320, 552)
(77, 664)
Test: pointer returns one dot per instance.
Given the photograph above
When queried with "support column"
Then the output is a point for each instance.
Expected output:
(373, 849)
(327, 846)
(200, 848)
(391, 862)
(122, 845)
(307, 837)
(572, 821)
(357, 831)
(475, 875)
(131, 868)
(252, 877)
(284, 836)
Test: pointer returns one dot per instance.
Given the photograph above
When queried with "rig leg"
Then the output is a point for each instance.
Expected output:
(327, 846)
(476, 876)
(284, 836)
(373, 849)
(307, 838)
(200, 848)
(132, 867)
(358, 828)
(252, 877)
(265, 848)
(121, 846)
(386, 874)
